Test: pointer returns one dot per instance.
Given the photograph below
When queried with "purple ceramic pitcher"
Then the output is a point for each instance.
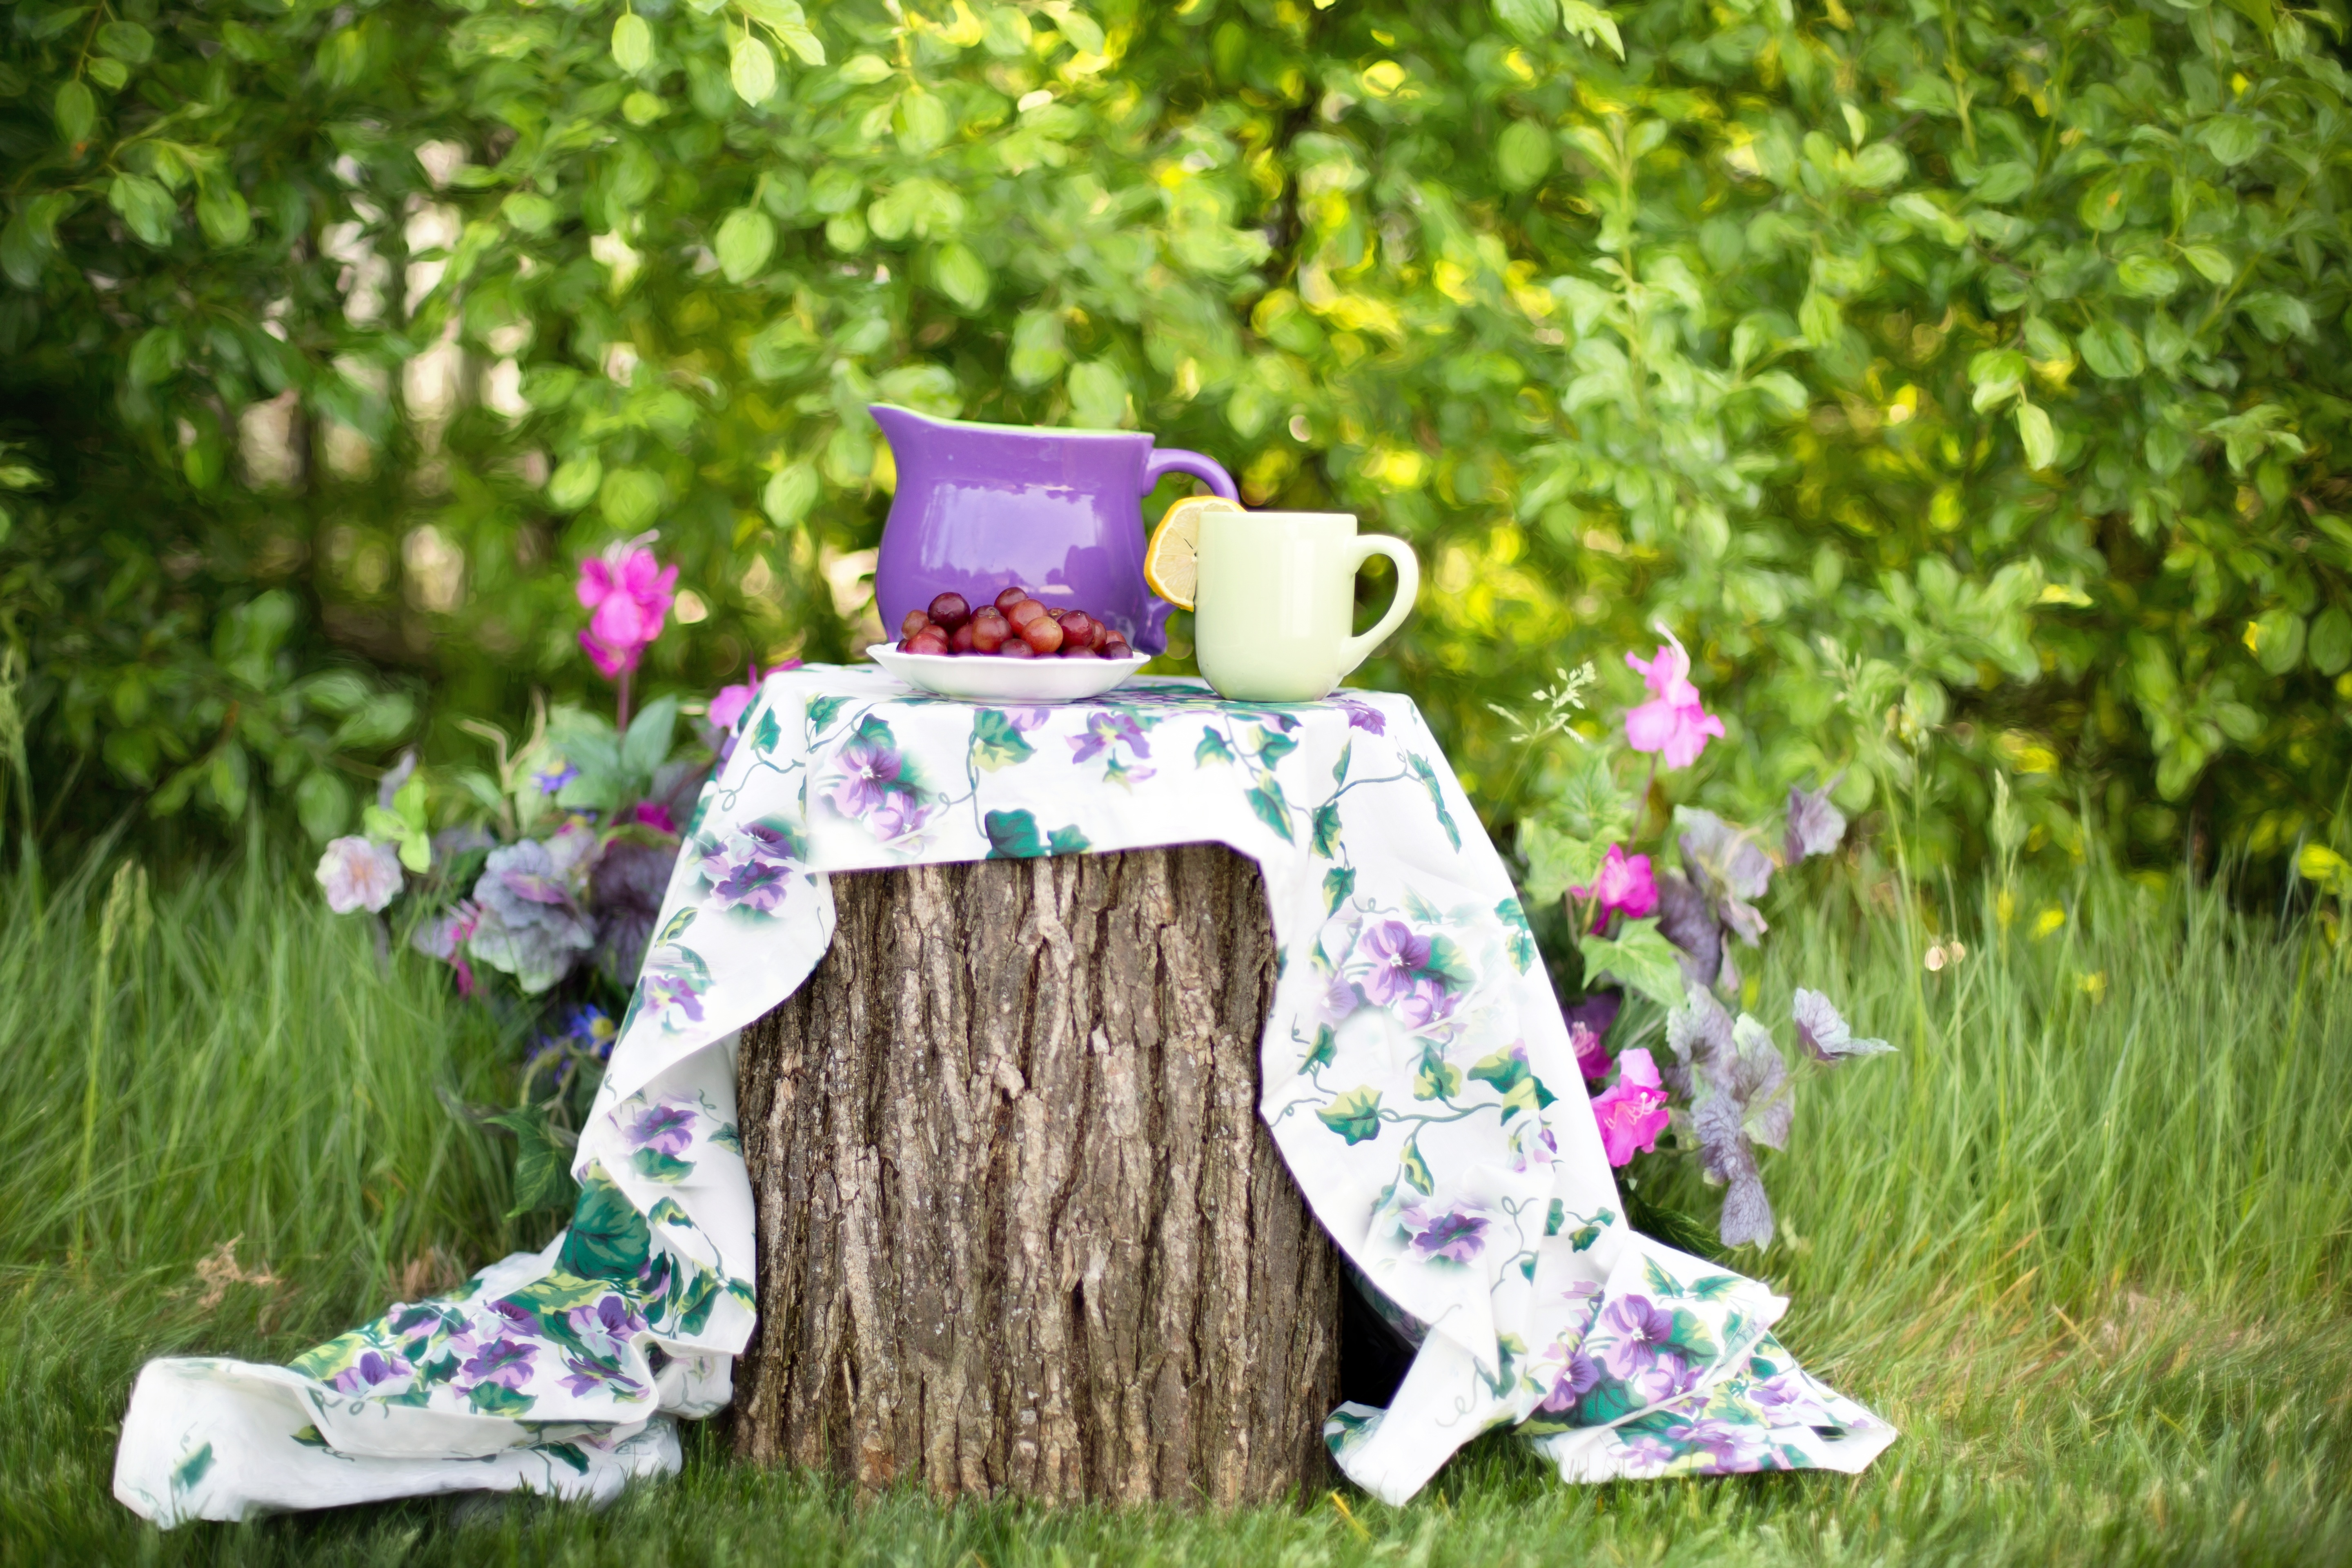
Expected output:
(982, 507)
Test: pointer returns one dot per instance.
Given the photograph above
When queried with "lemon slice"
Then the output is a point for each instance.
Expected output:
(1171, 564)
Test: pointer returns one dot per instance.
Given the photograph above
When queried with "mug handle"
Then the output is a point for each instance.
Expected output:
(1159, 463)
(1355, 650)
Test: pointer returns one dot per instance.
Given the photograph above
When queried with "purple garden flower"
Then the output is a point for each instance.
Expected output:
(1396, 956)
(1592, 1058)
(372, 1369)
(605, 1328)
(869, 770)
(503, 1362)
(667, 1128)
(1455, 1233)
(551, 780)
(1641, 1330)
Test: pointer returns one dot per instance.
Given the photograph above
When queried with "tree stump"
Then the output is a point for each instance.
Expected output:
(1020, 1228)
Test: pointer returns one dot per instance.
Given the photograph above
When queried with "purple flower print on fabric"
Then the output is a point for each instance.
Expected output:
(585, 1377)
(607, 1328)
(1640, 1330)
(1646, 1456)
(1396, 955)
(1339, 999)
(369, 1373)
(749, 868)
(1364, 716)
(504, 1362)
(1668, 1380)
(1425, 1003)
(674, 999)
(517, 1316)
(869, 770)
(666, 1129)
(1789, 1399)
(1725, 1446)
(1569, 1381)
(1455, 1233)
(1104, 730)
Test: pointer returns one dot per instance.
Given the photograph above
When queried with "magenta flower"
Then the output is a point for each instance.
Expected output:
(1624, 885)
(630, 593)
(651, 813)
(1592, 1058)
(1632, 1111)
(1672, 723)
(727, 708)
(1639, 1332)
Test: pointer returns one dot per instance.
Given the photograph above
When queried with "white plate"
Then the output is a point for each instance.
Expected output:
(985, 678)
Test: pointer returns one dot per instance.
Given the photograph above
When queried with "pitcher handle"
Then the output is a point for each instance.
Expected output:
(1158, 464)
(1355, 650)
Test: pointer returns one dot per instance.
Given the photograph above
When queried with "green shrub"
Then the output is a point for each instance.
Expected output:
(1970, 369)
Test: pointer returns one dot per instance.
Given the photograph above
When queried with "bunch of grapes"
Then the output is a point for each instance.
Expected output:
(1015, 627)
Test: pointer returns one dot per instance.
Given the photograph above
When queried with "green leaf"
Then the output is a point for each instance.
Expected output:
(1354, 1116)
(785, 18)
(790, 492)
(2111, 350)
(1557, 862)
(647, 745)
(542, 1176)
(1531, 21)
(126, 41)
(2149, 277)
(1012, 835)
(2033, 428)
(574, 482)
(1524, 154)
(77, 111)
(529, 212)
(960, 275)
(2330, 644)
(747, 237)
(223, 215)
(2212, 262)
(751, 68)
(146, 206)
(1098, 396)
(1639, 957)
(2231, 138)
(633, 43)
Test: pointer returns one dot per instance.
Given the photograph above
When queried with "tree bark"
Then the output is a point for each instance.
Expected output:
(1021, 1228)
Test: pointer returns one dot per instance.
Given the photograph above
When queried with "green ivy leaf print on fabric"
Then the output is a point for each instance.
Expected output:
(1355, 1115)
(1428, 777)
(609, 1238)
(1265, 800)
(1518, 938)
(995, 743)
(1324, 828)
(1066, 841)
(1212, 749)
(1338, 883)
(820, 712)
(1012, 835)
(768, 734)
(1415, 1168)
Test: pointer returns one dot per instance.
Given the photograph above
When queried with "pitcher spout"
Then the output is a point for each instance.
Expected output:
(900, 426)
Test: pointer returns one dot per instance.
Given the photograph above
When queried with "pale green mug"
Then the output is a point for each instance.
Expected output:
(1276, 595)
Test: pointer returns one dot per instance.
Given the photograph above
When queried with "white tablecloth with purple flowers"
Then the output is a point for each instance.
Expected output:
(1418, 1078)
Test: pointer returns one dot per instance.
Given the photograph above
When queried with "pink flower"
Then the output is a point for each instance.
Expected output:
(1591, 1056)
(1632, 1111)
(650, 814)
(1672, 722)
(727, 708)
(1625, 884)
(631, 593)
(358, 874)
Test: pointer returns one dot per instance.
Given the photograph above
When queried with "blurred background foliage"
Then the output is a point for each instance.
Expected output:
(1960, 381)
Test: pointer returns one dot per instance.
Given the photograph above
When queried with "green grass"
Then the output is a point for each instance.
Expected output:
(2085, 1239)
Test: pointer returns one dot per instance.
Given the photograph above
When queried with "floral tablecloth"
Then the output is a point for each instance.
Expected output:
(1418, 1078)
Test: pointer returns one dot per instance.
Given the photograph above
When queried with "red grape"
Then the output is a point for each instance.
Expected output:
(930, 640)
(916, 621)
(1011, 596)
(989, 629)
(1044, 634)
(1071, 650)
(1027, 611)
(949, 610)
(962, 641)
(1015, 648)
(1077, 626)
